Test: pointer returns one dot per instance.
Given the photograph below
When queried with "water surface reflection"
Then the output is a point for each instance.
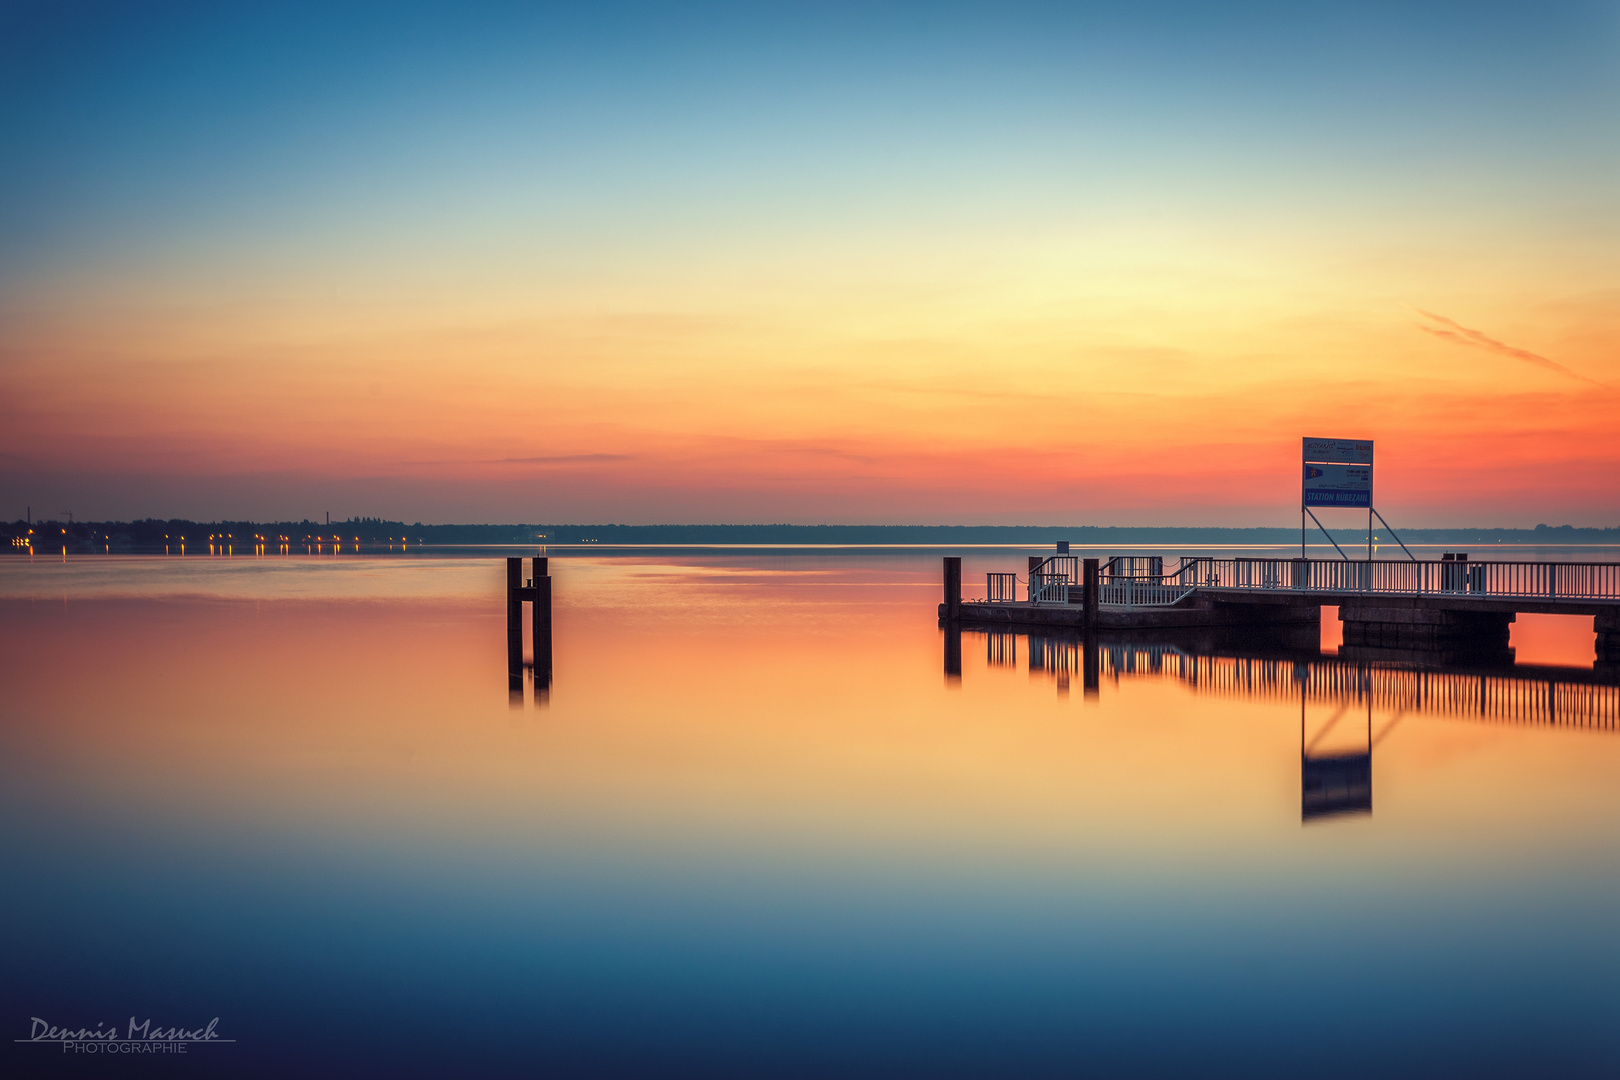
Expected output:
(755, 832)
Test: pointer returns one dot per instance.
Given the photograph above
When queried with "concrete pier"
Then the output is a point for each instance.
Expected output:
(1424, 628)
(1194, 613)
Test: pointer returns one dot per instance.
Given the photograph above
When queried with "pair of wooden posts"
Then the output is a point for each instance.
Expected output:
(1090, 654)
(953, 589)
(538, 593)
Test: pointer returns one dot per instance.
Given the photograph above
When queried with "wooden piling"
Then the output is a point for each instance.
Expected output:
(953, 588)
(514, 616)
(540, 618)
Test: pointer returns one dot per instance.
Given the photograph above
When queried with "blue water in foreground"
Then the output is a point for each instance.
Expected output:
(755, 829)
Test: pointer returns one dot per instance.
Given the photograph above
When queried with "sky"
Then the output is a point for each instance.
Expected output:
(914, 263)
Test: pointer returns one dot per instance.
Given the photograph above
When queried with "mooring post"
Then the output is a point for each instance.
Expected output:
(1089, 572)
(540, 619)
(953, 588)
(514, 616)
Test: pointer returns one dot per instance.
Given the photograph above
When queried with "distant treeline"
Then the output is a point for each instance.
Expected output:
(154, 535)
(1035, 534)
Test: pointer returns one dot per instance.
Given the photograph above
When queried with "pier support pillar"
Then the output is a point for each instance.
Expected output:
(1606, 664)
(1427, 633)
(1608, 637)
(953, 589)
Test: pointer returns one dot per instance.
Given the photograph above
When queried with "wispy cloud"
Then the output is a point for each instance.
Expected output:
(1453, 331)
(561, 459)
(550, 459)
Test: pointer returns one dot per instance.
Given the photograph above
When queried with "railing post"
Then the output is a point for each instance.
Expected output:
(953, 588)
(1090, 594)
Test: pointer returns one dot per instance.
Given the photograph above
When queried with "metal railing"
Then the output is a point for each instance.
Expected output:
(1048, 588)
(1551, 581)
(1126, 581)
(1141, 581)
(1131, 593)
(1049, 579)
(1067, 565)
(1133, 567)
(1001, 588)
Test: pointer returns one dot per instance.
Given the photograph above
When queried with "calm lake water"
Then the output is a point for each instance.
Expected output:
(754, 828)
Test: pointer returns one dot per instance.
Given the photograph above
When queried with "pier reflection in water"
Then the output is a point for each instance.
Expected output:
(1279, 664)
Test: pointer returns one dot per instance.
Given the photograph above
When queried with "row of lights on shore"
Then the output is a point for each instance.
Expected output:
(225, 544)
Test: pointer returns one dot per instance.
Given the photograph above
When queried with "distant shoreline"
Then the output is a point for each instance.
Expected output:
(152, 534)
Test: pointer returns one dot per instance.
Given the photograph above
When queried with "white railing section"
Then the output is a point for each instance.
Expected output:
(1050, 579)
(1048, 588)
(1001, 588)
(1141, 581)
(1130, 593)
(1126, 581)
(1134, 567)
(1550, 581)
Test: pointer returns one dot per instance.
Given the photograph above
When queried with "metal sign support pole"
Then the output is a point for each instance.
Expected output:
(1397, 537)
(1329, 535)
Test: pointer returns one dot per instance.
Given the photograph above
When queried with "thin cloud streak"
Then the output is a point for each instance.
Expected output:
(1462, 335)
(553, 459)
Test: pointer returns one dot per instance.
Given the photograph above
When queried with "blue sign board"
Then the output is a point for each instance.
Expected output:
(1337, 485)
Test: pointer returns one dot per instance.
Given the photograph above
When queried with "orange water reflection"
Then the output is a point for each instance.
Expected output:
(774, 704)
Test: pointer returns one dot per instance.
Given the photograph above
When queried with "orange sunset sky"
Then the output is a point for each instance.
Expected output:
(946, 265)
